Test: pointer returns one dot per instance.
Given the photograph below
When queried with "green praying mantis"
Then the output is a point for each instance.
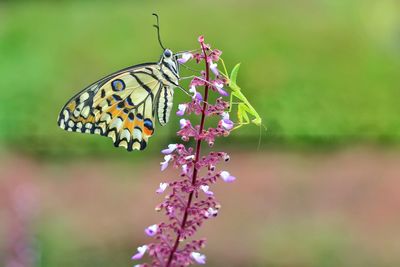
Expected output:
(246, 113)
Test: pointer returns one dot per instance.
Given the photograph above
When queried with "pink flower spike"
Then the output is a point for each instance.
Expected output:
(162, 188)
(185, 58)
(151, 230)
(205, 190)
(181, 109)
(199, 258)
(227, 177)
(184, 123)
(214, 68)
(141, 251)
(164, 164)
(171, 148)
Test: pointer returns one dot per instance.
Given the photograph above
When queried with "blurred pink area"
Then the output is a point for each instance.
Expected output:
(19, 202)
(285, 208)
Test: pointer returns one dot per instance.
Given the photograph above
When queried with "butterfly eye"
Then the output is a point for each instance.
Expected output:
(167, 53)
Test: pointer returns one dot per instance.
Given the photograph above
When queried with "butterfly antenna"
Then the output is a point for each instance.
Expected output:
(157, 26)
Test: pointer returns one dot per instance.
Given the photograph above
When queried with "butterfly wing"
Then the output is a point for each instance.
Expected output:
(120, 106)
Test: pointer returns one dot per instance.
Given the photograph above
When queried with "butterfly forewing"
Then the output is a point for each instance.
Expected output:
(123, 105)
(119, 106)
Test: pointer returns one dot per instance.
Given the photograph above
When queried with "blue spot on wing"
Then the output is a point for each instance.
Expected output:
(118, 85)
(148, 124)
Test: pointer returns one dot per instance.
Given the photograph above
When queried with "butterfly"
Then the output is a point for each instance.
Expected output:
(123, 105)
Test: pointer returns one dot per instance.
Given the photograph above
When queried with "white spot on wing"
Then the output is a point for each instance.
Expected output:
(117, 123)
(137, 134)
(123, 143)
(85, 112)
(125, 134)
(84, 96)
(66, 114)
(105, 117)
(112, 135)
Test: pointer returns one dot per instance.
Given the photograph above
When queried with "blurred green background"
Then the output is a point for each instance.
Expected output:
(322, 74)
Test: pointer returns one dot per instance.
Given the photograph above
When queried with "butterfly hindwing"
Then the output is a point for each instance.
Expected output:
(164, 104)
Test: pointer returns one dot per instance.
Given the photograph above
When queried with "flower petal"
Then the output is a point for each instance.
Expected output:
(227, 177)
(181, 109)
(141, 251)
(199, 258)
(211, 212)
(151, 230)
(206, 190)
(214, 68)
(164, 164)
(185, 58)
(227, 124)
(183, 123)
(162, 188)
(171, 148)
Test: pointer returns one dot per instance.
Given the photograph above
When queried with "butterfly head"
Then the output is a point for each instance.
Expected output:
(170, 60)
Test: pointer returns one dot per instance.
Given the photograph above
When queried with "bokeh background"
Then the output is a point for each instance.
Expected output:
(322, 189)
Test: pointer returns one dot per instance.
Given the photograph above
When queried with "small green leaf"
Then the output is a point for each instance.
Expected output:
(234, 73)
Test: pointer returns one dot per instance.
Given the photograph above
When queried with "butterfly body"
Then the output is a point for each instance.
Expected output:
(123, 105)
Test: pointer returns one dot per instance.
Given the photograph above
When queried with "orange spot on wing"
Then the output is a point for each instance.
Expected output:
(71, 106)
(147, 131)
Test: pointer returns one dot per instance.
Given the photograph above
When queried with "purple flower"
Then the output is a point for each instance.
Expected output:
(162, 188)
(151, 230)
(181, 109)
(210, 212)
(196, 95)
(206, 190)
(185, 58)
(141, 251)
(199, 258)
(227, 177)
(171, 148)
(226, 122)
(184, 123)
(164, 164)
(219, 87)
(214, 68)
